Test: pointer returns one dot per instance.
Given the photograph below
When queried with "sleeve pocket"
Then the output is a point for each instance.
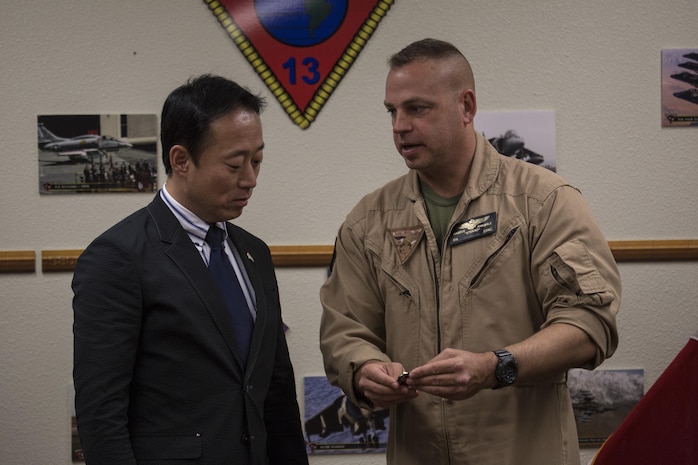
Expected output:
(166, 447)
(572, 267)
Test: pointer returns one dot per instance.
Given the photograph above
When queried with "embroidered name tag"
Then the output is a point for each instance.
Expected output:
(474, 228)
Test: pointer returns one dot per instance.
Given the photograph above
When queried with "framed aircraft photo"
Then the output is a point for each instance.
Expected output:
(680, 87)
(601, 400)
(97, 153)
(526, 135)
(335, 425)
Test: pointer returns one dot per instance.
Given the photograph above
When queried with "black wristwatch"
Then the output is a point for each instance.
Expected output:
(506, 369)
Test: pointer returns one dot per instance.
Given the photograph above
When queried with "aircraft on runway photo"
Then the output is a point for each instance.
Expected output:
(78, 148)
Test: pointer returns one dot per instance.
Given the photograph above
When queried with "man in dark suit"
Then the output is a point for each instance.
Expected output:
(162, 372)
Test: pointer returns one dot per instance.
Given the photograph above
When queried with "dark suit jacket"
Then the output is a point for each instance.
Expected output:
(157, 375)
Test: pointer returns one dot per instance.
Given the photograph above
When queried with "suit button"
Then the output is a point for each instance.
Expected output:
(245, 439)
(248, 387)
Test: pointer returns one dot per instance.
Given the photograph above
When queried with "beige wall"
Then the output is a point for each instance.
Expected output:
(596, 64)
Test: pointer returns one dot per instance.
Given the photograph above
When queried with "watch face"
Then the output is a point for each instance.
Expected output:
(508, 374)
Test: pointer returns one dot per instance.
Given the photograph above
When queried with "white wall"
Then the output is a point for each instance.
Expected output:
(596, 64)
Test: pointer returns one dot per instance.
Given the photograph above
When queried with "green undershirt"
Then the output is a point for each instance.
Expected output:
(439, 209)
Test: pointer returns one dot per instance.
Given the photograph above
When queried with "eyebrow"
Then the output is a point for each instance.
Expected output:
(410, 101)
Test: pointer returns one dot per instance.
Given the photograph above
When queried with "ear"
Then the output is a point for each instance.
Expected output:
(180, 160)
(469, 103)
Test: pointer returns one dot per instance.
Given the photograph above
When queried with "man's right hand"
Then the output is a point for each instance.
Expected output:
(377, 382)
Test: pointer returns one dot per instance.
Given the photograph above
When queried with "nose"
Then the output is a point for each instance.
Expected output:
(248, 176)
(400, 122)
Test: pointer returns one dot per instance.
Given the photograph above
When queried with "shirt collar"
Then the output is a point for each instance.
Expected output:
(191, 223)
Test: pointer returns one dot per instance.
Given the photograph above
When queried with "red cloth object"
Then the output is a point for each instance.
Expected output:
(662, 429)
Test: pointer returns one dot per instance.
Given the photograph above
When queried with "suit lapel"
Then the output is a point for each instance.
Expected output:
(179, 248)
(248, 252)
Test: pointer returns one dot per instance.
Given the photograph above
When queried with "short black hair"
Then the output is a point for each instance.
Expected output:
(190, 109)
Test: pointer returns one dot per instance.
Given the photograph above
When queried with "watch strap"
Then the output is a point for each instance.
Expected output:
(506, 370)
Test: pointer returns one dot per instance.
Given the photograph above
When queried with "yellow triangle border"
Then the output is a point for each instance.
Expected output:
(303, 120)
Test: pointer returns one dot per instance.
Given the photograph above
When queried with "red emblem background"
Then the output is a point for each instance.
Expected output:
(270, 57)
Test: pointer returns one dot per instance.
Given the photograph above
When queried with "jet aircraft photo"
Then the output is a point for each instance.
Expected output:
(90, 153)
(78, 148)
